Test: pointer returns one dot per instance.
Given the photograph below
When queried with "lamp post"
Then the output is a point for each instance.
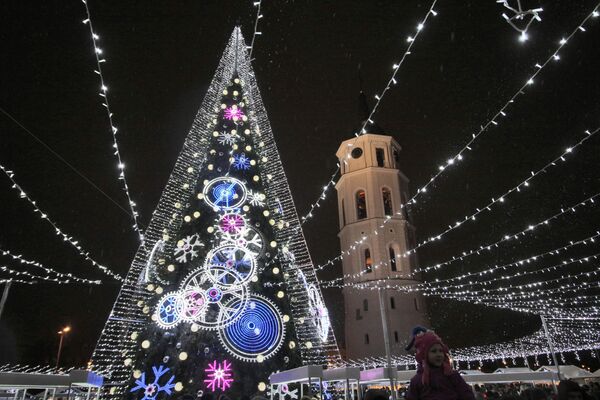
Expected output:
(62, 334)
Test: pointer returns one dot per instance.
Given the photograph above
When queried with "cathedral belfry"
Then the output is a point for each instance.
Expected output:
(372, 189)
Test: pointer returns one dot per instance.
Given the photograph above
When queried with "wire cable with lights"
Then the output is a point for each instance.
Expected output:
(48, 270)
(113, 129)
(59, 232)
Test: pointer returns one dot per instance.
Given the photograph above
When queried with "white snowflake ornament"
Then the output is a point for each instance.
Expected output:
(227, 138)
(256, 199)
(187, 248)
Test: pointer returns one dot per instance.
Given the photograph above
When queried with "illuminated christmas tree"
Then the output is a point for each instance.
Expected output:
(223, 291)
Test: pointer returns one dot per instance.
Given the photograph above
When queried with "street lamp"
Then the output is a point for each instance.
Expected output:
(62, 334)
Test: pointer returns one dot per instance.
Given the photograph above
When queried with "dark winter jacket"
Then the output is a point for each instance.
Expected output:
(440, 387)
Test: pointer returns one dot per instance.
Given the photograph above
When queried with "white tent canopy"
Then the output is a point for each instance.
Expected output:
(569, 371)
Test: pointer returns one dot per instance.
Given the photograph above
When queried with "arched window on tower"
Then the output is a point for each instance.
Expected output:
(393, 265)
(368, 265)
(343, 214)
(404, 205)
(386, 196)
(361, 205)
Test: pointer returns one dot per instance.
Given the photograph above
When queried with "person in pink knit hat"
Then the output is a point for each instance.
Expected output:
(435, 378)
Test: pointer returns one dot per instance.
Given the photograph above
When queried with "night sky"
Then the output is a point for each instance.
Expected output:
(161, 57)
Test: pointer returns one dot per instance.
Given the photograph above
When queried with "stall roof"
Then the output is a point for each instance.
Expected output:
(569, 371)
(377, 375)
(513, 370)
(297, 375)
(80, 378)
(341, 374)
(507, 377)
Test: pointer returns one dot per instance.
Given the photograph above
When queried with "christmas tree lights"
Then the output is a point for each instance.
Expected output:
(223, 232)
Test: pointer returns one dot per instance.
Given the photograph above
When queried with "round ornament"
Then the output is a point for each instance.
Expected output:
(217, 312)
(257, 334)
(232, 258)
(225, 193)
(168, 311)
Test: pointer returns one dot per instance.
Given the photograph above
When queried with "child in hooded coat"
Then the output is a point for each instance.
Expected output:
(435, 378)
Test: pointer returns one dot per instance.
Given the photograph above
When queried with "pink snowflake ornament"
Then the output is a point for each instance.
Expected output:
(218, 376)
(233, 113)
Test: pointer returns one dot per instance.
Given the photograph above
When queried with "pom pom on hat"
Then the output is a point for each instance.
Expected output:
(417, 330)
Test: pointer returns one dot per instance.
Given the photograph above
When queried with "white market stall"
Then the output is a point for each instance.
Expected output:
(569, 372)
(349, 375)
(305, 375)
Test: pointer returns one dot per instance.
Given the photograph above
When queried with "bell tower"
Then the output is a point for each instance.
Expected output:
(371, 190)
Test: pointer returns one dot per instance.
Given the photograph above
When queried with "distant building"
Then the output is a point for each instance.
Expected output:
(371, 189)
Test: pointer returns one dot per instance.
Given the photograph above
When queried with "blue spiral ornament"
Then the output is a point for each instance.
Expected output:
(225, 193)
(257, 334)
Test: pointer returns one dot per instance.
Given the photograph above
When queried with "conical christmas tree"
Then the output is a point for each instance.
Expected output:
(223, 291)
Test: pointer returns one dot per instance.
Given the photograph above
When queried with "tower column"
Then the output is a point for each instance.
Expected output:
(371, 192)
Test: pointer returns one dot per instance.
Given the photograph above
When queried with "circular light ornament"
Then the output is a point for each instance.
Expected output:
(257, 334)
(250, 239)
(232, 224)
(217, 312)
(225, 193)
(234, 258)
(192, 303)
(168, 311)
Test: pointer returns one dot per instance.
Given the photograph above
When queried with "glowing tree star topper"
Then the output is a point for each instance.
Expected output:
(218, 376)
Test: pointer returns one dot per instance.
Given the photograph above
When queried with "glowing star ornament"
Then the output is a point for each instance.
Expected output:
(218, 376)
(187, 248)
(152, 389)
(233, 113)
(241, 162)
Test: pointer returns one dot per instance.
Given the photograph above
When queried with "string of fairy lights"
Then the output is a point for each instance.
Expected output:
(256, 33)
(479, 273)
(59, 232)
(48, 278)
(545, 222)
(502, 197)
(100, 59)
(502, 112)
(67, 276)
(523, 261)
(392, 81)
